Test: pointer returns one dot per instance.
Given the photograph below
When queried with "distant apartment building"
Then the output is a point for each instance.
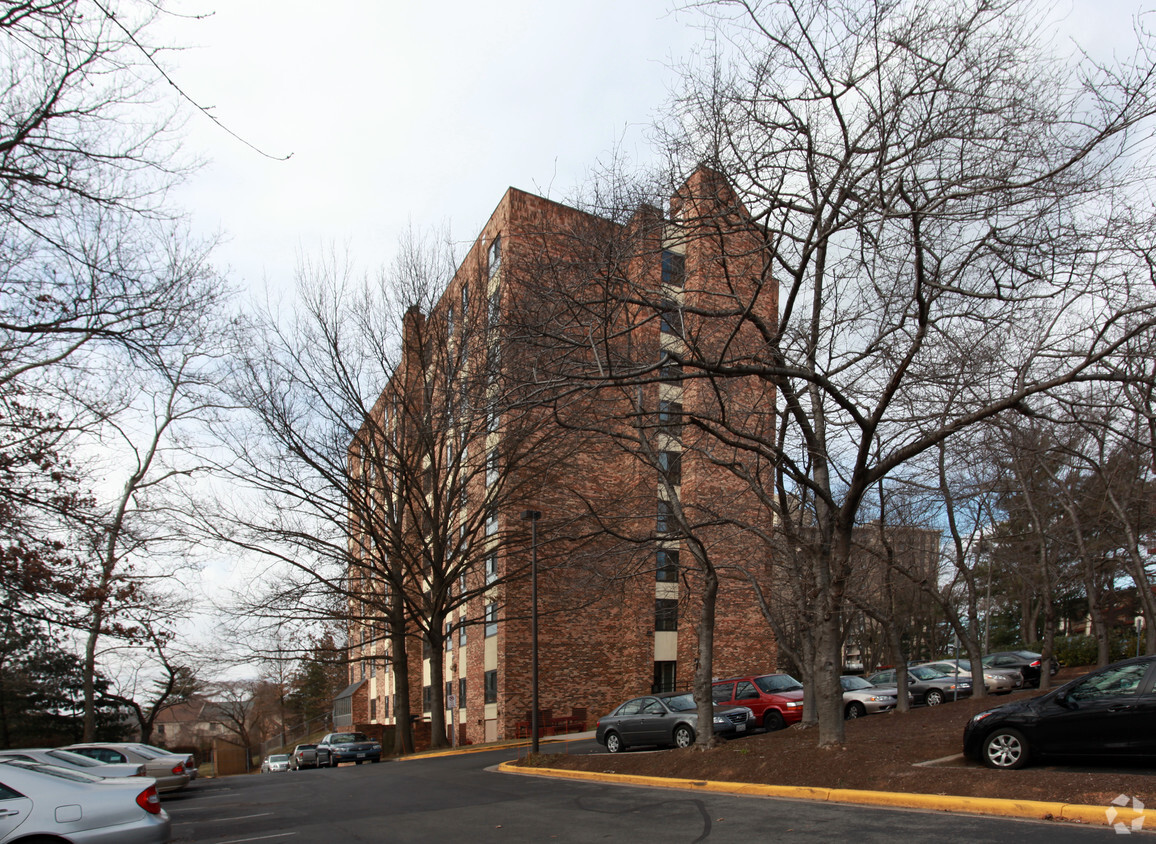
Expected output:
(618, 590)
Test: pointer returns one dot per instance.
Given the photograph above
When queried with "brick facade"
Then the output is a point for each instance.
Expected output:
(598, 642)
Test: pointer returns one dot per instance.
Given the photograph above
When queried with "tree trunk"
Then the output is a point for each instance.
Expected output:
(704, 661)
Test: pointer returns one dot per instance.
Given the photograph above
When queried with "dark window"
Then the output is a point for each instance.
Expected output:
(462, 693)
(385, 707)
(426, 650)
(670, 465)
(667, 565)
(670, 319)
(462, 635)
(665, 676)
(665, 614)
(492, 686)
(669, 369)
(465, 301)
(449, 692)
(491, 567)
(665, 520)
(495, 255)
(721, 692)
(673, 269)
(449, 636)
(670, 418)
(373, 709)
(495, 313)
(491, 619)
(450, 320)
(426, 697)
(746, 691)
(492, 467)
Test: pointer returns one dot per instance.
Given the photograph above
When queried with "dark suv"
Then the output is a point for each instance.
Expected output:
(775, 699)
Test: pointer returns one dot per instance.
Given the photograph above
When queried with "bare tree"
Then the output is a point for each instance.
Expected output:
(935, 195)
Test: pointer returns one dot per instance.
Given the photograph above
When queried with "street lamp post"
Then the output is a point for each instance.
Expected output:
(533, 516)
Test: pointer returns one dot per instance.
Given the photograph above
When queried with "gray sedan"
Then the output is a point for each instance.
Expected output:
(927, 685)
(666, 719)
(168, 771)
(46, 803)
(861, 698)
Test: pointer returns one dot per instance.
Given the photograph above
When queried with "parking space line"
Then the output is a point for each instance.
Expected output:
(259, 838)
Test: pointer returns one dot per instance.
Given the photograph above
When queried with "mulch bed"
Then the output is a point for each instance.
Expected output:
(882, 753)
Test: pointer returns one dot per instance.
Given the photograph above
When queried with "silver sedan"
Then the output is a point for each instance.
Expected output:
(76, 761)
(861, 698)
(996, 681)
(46, 803)
(168, 771)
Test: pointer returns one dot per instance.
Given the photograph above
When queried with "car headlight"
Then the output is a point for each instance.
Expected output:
(720, 719)
(794, 704)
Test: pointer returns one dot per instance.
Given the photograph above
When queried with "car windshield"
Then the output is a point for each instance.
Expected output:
(922, 672)
(347, 738)
(1028, 655)
(772, 683)
(147, 752)
(680, 703)
(53, 771)
(306, 746)
(850, 684)
(279, 757)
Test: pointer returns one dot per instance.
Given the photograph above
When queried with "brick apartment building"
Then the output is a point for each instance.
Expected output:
(618, 587)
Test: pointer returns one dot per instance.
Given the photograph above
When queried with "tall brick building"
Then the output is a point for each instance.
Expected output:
(620, 483)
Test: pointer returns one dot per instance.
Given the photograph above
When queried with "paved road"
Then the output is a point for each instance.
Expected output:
(455, 799)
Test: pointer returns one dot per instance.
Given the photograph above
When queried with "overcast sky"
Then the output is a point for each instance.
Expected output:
(407, 112)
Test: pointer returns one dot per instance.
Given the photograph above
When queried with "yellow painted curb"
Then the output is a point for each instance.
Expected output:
(1034, 809)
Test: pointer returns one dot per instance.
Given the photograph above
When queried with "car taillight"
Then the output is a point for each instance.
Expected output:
(179, 768)
(149, 800)
(1035, 664)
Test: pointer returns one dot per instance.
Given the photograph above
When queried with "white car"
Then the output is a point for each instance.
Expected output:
(275, 762)
(861, 698)
(997, 681)
(168, 771)
(46, 803)
(76, 761)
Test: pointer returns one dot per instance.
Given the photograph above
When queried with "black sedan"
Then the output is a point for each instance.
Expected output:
(1109, 712)
(925, 685)
(666, 719)
(336, 748)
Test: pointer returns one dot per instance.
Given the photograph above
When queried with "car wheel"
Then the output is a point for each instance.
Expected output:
(358, 761)
(773, 720)
(934, 697)
(855, 710)
(1006, 749)
(683, 736)
(614, 743)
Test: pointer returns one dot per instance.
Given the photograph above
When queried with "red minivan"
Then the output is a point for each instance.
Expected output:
(775, 699)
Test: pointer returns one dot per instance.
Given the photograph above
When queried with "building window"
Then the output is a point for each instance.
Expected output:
(385, 707)
(426, 648)
(449, 636)
(665, 677)
(670, 319)
(491, 619)
(461, 693)
(667, 565)
(491, 567)
(673, 269)
(465, 301)
(462, 635)
(495, 255)
(449, 692)
(665, 521)
(669, 369)
(495, 315)
(665, 614)
(492, 686)
(450, 321)
(670, 418)
(670, 466)
(492, 521)
(426, 698)
(492, 467)
(373, 709)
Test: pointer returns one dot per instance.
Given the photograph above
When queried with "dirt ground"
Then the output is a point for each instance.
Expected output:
(882, 753)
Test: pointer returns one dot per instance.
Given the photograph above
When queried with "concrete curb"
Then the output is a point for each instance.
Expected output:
(1031, 809)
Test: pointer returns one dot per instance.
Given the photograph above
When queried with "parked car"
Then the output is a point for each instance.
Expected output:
(275, 762)
(670, 718)
(168, 771)
(75, 761)
(925, 685)
(336, 748)
(189, 758)
(47, 803)
(1028, 663)
(303, 756)
(861, 698)
(1106, 713)
(775, 699)
(997, 681)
